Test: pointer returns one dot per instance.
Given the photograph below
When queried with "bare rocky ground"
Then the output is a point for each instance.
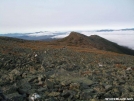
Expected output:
(65, 75)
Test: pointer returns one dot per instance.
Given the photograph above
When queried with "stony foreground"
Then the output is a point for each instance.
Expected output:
(65, 75)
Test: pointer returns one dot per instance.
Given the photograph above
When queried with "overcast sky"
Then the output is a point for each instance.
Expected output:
(59, 15)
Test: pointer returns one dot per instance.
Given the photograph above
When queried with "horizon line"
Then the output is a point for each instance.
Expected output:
(66, 30)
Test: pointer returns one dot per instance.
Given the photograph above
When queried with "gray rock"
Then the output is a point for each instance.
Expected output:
(84, 86)
(66, 93)
(65, 83)
(42, 89)
(15, 72)
(2, 96)
(15, 97)
(41, 78)
(74, 86)
(49, 84)
(121, 82)
(108, 87)
(23, 86)
(108, 95)
(85, 95)
(33, 79)
(24, 75)
(54, 94)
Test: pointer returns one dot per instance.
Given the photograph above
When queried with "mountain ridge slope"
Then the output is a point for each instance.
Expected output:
(94, 41)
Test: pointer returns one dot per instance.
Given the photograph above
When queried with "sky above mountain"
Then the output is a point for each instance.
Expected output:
(63, 15)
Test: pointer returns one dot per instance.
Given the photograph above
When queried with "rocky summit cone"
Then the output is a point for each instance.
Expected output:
(76, 39)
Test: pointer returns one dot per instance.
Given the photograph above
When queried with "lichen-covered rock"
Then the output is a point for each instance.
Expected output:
(74, 86)
(54, 94)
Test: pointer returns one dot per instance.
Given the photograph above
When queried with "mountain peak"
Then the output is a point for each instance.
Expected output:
(74, 33)
(94, 41)
(76, 38)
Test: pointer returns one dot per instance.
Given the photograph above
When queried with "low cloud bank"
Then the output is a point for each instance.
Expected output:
(62, 35)
(124, 38)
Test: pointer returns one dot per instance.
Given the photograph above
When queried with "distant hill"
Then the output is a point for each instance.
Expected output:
(128, 29)
(11, 39)
(94, 41)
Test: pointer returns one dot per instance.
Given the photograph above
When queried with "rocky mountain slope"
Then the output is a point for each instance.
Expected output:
(42, 71)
